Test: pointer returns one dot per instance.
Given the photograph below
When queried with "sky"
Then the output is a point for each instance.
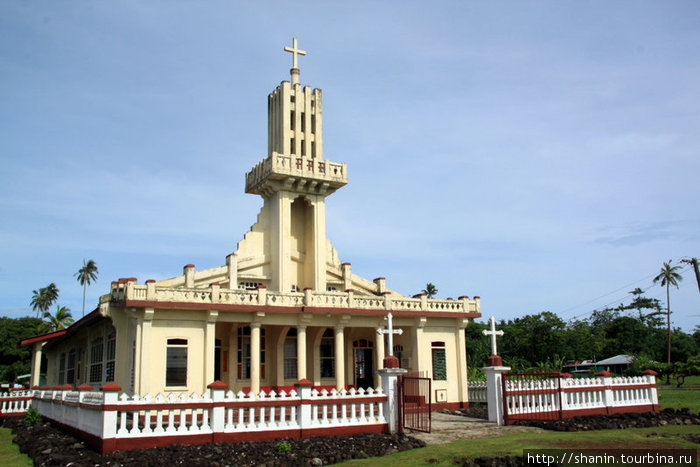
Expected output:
(541, 155)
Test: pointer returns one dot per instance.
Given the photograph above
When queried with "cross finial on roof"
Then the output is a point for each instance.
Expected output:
(493, 333)
(294, 49)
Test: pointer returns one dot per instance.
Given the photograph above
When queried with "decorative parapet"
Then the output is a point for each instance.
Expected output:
(298, 172)
(214, 295)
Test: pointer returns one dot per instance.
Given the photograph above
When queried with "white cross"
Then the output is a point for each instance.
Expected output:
(295, 51)
(493, 333)
(390, 331)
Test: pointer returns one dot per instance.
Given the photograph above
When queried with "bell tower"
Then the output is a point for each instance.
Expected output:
(294, 180)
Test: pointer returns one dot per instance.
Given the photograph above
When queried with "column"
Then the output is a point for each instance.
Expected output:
(339, 357)
(144, 351)
(209, 346)
(319, 242)
(301, 352)
(36, 365)
(255, 358)
(462, 383)
(379, 355)
(494, 392)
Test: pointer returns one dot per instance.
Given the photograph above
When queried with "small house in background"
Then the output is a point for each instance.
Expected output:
(283, 307)
(616, 365)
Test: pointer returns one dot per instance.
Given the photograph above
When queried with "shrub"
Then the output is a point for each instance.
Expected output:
(284, 446)
(32, 417)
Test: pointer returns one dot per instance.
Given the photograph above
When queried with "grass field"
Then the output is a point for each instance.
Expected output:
(9, 452)
(687, 395)
(514, 444)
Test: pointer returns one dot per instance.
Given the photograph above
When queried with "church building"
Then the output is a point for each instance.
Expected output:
(283, 306)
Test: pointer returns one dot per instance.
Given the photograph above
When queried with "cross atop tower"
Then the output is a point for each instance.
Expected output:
(295, 51)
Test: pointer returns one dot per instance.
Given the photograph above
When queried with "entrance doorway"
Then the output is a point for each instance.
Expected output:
(364, 367)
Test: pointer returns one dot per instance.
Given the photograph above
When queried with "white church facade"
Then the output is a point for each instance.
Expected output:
(282, 308)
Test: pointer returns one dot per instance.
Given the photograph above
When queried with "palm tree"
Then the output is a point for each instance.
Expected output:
(86, 275)
(430, 290)
(61, 320)
(43, 298)
(668, 277)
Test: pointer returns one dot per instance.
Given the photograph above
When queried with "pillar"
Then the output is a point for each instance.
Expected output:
(494, 392)
(209, 346)
(36, 365)
(379, 354)
(255, 358)
(460, 339)
(339, 357)
(389, 377)
(301, 352)
(144, 351)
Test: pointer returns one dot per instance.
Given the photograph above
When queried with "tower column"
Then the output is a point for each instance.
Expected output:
(319, 244)
(301, 352)
(280, 214)
(255, 358)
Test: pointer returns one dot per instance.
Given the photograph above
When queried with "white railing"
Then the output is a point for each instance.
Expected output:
(561, 397)
(15, 402)
(477, 391)
(123, 421)
(212, 295)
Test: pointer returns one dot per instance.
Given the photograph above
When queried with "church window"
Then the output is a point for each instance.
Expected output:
(62, 369)
(439, 361)
(244, 352)
(303, 121)
(96, 354)
(295, 288)
(248, 285)
(70, 367)
(313, 148)
(290, 354)
(292, 146)
(313, 123)
(292, 120)
(176, 363)
(330, 288)
(328, 354)
(110, 356)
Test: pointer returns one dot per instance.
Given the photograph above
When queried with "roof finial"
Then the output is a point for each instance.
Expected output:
(294, 49)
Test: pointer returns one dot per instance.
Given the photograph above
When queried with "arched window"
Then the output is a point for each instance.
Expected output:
(328, 354)
(290, 354)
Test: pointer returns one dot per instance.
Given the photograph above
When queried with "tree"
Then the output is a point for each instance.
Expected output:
(430, 290)
(696, 268)
(61, 320)
(15, 360)
(43, 298)
(668, 276)
(86, 275)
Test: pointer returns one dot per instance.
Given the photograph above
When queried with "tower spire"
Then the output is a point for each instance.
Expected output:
(295, 51)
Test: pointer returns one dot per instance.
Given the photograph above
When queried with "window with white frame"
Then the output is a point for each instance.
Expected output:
(96, 359)
(290, 354)
(176, 362)
(110, 357)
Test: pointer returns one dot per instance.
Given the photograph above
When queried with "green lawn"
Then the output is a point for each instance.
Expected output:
(687, 395)
(9, 451)
(513, 444)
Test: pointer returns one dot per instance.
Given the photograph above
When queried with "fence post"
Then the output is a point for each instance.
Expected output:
(217, 416)
(653, 394)
(390, 378)
(109, 416)
(606, 381)
(304, 413)
(494, 391)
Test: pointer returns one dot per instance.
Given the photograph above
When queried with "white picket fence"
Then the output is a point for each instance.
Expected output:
(125, 422)
(559, 397)
(15, 402)
(477, 391)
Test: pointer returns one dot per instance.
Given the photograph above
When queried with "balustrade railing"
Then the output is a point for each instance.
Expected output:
(15, 402)
(126, 291)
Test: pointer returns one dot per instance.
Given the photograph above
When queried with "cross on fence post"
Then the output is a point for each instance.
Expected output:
(390, 331)
(494, 359)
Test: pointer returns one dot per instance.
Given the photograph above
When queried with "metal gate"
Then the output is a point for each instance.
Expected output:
(531, 396)
(414, 403)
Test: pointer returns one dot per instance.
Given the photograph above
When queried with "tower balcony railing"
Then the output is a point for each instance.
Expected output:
(132, 293)
(283, 167)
